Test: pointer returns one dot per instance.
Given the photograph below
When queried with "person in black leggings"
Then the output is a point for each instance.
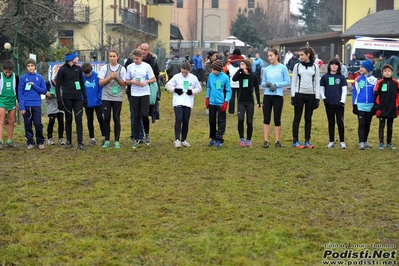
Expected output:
(248, 81)
(70, 78)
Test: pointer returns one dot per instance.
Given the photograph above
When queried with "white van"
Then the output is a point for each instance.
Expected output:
(375, 46)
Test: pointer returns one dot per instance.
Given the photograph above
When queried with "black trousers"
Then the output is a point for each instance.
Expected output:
(335, 113)
(182, 118)
(73, 107)
(141, 105)
(304, 101)
(51, 122)
(90, 119)
(364, 122)
(115, 107)
(248, 110)
(389, 122)
(217, 123)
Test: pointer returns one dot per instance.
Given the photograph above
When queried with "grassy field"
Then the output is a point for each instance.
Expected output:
(200, 205)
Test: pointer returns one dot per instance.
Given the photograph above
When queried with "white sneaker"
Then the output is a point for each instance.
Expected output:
(185, 144)
(207, 111)
(50, 142)
(177, 143)
(330, 145)
(342, 145)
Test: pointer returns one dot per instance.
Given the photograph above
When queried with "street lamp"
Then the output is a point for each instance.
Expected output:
(7, 46)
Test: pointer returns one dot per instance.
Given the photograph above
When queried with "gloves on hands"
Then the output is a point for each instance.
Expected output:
(85, 103)
(207, 102)
(189, 92)
(223, 108)
(273, 87)
(341, 104)
(316, 103)
(268, 84)
(293, 101)
(178, 91)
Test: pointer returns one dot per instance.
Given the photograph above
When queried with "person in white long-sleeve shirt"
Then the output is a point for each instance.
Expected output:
(305, 94)
(184, 86)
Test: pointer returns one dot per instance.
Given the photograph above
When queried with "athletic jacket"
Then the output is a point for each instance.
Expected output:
(386, 93)
(218, 89)
(31, 95)
(363, 92)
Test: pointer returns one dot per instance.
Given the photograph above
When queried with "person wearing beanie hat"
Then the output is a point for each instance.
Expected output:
(363, 101)
(217, 65)
(30, 88)
(231, 67)
(368, 65)
(30, 61)
(218, 94)
(211, 57)
(73, 98)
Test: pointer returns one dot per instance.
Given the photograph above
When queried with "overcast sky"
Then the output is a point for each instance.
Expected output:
(294, 6)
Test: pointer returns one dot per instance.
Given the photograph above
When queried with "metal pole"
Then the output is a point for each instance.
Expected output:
(202, 26)
(102, 30)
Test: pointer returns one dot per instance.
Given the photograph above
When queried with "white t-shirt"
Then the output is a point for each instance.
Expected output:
(142, 72)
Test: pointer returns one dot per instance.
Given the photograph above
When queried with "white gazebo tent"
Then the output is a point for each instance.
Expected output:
(235, 42)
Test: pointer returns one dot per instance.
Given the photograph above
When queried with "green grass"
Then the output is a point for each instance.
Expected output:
(199, 205)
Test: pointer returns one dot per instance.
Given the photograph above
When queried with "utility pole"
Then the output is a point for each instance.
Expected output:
(202, 25)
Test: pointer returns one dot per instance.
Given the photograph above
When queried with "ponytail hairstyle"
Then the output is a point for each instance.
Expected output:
(309, 50)
(334, 61)
(275, 52)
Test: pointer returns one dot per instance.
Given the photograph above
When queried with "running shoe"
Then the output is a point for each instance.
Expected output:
(330, 145)
(106, 144)
(277, 144)
(242, 143)
(177, 143)
(390, 145)
(266, 144)
(248, 143)
(117, 145)
(185, 144)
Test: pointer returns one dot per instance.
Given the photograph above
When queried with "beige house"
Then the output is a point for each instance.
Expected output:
(217, 16)
(95, 26)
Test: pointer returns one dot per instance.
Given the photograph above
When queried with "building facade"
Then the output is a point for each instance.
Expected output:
(215, 23)
(94, 26)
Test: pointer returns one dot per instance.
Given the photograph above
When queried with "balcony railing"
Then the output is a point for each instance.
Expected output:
(134, 20)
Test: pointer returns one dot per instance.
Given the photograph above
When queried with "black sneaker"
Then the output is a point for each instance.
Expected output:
(266, 144)
(68, 145)
(81, 147)
(277, 144)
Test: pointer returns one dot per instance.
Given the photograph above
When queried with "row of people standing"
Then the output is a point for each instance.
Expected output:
(76, 89)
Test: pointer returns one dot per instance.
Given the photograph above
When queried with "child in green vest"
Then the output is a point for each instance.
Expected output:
(8, 101)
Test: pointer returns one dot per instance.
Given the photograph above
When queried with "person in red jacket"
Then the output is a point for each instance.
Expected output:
(386, 93)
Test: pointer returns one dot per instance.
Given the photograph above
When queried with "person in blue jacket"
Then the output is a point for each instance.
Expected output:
(218, 94)
(275, 78)
(94, 104)
(363, 101)
(31, 87)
